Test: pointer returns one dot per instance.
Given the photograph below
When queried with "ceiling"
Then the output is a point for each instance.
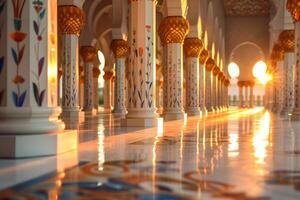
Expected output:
(247, 7)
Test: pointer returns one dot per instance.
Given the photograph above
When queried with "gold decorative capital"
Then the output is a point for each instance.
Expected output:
(277, 52)
(204, 56)
(120, 48)
(96, 72)
(192, 47)
(216, 70)
(287, 40)
(220, 75)
(210, 64)
(293, 7)
(70, 20)
(88, 53)
(108, 75)
(173, 29)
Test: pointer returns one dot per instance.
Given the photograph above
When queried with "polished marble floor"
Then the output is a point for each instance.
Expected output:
(240, 154)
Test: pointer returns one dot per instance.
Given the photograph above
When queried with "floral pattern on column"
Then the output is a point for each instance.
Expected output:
(2, 58)
(39, 29)
(172, 31)
(17, 52)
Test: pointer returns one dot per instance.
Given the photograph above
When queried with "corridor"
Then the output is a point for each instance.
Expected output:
(238, 154)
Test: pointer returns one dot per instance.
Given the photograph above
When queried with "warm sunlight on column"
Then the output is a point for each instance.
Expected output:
(52, 54)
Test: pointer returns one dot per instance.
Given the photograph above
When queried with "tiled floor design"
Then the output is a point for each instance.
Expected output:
(240, 155)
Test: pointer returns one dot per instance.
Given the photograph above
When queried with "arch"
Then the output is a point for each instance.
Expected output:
(246, 55)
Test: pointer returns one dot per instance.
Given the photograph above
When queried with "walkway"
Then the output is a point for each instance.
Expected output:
(243, 154)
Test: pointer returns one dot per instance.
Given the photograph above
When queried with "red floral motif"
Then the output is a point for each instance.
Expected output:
(18, 79)
(18, 36)
(141, 51)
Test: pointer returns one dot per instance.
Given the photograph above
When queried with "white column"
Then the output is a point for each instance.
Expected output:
(209, 65)
(96, 74)
(25, 78)
(192, 49)
(81, 87)
(246, 99)
(172, 32)
(69, 37)
(294, 8)
(240, 84)
(107, 91)
(251, 104)
(290, 64)
(120, 50)
(202, 81)
(88, 54)
(142, 65)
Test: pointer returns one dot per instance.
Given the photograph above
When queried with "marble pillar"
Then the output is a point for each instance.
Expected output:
(216, 72)
(202, 81)
(81, 87)
(294, 8)
(172, 31)
(192, 50)
(70, 23)
(241, 96)
(142, 65)
(251, 86)
(287, 42)
(88, 54)
(281, 86)
(159, 86)
(96, 74)
(209, 65)
(107, 91)
(120, 50)
(246, 97)
(28, 121)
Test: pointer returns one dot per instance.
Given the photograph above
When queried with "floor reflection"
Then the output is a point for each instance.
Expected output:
(241, 154)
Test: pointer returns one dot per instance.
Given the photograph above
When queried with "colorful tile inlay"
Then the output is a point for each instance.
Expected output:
(240, 155)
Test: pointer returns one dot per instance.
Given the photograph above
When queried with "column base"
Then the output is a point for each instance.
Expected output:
(46, 144)
(174, 116)
(193, 111)
(295, 115)
(119, 111)
(70, 116)
(204, 112)
(141, 122)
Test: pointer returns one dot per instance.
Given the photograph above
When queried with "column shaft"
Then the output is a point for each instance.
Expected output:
(142, 65)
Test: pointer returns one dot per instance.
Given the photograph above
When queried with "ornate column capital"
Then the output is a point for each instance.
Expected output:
(220, 75)
(251, 83)
(108, 75)
(277, 52)
(70, 20)
(210, 64)
(293, 7)
(227, 82)
(216, 70)
(173, 29)
(96, 72)
(287, 40)
(88, 53)
(241, 84)
(204, 56)
(192, 47)
(120, 48)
